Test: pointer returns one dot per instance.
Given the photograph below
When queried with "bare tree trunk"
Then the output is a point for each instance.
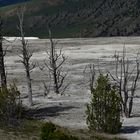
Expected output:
(130, 106)
(126, 110)
(26, 55)
(29, 83)
(2, 65)
(56, 88)
(53, 63)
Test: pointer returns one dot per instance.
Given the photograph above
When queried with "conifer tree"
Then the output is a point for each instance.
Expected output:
(103, 112)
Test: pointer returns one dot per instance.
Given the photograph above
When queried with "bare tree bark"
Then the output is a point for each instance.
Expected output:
(26, 54)
(2, 65)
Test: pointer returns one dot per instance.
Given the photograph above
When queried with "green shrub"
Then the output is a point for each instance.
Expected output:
(10, 104)
(103, 112)
(50, 132)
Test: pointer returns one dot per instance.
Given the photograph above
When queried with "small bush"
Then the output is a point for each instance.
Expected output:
(103, 112)
(10, 104)
(50, 132)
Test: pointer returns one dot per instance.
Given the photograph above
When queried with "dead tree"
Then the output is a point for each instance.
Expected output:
(126, 77)
(26, 53)
(2, 54)
(55, 67)
(89, 72)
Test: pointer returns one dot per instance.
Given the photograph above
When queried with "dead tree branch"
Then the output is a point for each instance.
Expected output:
(126, 78)
(55, 67)
(90, 70)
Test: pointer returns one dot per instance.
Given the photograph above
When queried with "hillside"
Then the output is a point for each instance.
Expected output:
(77, 18)
(9, 2)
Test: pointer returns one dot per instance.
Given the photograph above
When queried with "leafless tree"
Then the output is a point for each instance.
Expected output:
(55, 67)
(2, 54)
(89, 72)
(126, 77)
(26, 53)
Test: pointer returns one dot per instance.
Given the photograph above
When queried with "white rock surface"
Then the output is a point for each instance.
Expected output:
(69, 110)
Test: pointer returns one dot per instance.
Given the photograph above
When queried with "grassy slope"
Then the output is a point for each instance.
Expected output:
(30, 129)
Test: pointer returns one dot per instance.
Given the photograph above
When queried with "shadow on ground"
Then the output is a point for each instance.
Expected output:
(42, 113)
(137, 115)
(130, 129)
